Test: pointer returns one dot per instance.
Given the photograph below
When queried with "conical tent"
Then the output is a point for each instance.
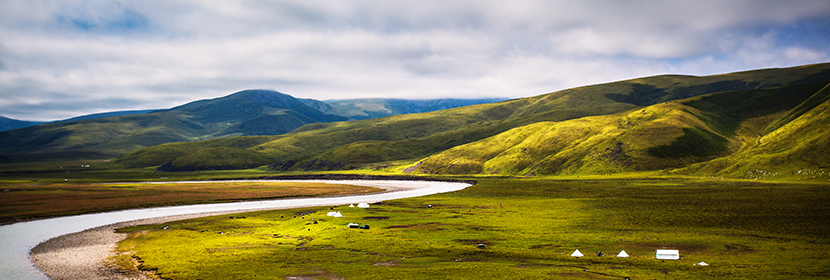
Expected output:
(622, 254)
(576, 253)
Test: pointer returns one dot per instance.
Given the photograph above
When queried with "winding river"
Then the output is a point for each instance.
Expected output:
(16, 240)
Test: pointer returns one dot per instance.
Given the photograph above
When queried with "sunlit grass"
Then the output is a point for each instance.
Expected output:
(528, 227)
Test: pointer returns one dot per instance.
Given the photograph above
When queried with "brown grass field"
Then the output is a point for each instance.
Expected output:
(36, 201)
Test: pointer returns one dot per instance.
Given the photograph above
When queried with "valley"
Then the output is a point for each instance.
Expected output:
(732, 170)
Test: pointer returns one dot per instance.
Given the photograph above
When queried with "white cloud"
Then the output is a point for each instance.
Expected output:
(106, 55)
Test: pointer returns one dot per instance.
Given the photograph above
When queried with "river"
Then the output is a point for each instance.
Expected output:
(16, 240)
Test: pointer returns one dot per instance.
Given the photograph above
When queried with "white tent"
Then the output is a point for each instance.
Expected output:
(576, 253)
(622, 254)
(351, 205)
(363, 205)
(334, 214)
(668, 254)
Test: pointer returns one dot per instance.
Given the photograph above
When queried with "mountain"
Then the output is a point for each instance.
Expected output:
(250, 112)
(667, 121)
(108, 135)
(11, 124)
(106, 115)
(361, 109)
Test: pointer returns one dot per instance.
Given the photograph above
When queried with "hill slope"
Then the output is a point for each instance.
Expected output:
(667, 135)
(793, 143)
(343, 145)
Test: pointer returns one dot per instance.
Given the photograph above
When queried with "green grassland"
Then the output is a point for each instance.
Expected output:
(528, 227)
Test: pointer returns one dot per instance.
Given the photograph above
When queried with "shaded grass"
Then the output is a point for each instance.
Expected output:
(693, 143)
(745, 230)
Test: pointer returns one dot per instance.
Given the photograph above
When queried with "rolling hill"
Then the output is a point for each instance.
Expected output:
(650, 123)
(663, 136)
(249, 113)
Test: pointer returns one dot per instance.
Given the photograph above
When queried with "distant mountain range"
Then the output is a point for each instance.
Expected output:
(10, 124)
(249, 112)
(734, 124)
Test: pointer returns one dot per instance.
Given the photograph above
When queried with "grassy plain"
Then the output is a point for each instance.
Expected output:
(745, 229)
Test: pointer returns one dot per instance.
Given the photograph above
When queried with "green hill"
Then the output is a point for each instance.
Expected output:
(792, 143)
(344, 145)
(663, 136)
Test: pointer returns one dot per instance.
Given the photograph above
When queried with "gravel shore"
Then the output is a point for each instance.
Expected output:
(83, 255)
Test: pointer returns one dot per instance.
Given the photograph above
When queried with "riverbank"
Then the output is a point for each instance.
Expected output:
(83, 255)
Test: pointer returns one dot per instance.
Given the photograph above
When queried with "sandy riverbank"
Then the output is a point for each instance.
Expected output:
(83, 255)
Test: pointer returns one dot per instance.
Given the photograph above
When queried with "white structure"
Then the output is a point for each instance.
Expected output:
(668, 254)
(351, 205)
(576, 253)
(334, 214)
(622, 254)
(363, 205)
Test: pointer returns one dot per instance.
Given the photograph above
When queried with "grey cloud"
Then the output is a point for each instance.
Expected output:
(158, 54)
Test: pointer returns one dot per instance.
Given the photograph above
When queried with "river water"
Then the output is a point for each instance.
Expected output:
(16, 240)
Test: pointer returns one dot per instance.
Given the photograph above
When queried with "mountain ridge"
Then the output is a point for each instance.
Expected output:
(414, 137)
(106, 135)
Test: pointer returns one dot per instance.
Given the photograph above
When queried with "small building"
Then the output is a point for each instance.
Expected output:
(363, 205)
(663, 254)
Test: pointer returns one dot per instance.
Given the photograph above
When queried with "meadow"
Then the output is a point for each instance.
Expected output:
(514, 228)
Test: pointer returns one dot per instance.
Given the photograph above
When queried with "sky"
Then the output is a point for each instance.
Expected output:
(64, 58)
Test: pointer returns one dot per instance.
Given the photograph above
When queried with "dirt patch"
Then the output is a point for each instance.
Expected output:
(428, 226)
(392, 263)
(313, 275)
(545, 246)
(376, 218)
(739, 249)
(487, 242)
(577, 275)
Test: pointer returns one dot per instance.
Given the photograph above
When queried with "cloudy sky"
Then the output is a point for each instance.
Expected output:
(65, 58)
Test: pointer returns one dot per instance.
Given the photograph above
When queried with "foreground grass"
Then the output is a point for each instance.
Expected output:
(529, 227)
